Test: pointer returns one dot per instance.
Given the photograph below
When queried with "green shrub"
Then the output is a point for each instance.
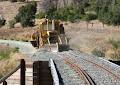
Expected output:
(16, 49)
(115, 43)
(21, 0)
(113, 54)
(2, 22)
(90, 16)
(12, 23)
(1, 76)
(13, 0)
(69, 13)
(40, 15)
(98, 53)
(5, 53)
(108, 11)
(26, 14)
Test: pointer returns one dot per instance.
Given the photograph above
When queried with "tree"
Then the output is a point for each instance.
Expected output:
(26, 14)
(2, 21)
(108, 11)
(115, 20)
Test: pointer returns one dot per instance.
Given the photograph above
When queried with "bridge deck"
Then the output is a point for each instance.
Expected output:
(42, 74)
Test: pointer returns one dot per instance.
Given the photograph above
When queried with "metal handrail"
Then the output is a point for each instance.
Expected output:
(9, 74)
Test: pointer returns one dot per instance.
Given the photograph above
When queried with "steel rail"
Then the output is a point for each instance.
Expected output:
(80, 72)
(104, 68)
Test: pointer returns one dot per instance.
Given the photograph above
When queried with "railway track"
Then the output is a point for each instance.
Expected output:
(104, 71)
(103, 68)
(88, 80)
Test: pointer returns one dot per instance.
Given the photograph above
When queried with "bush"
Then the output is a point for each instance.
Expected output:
(21, 0)
(2, 22)
(17, 0)
(69, 13)
(16, 49)
(108, 12)
(40, 15)
(90, 16)
(115, 44)
(26, 14)
(113, 54)
(13, 0)
(12, 23)
(98, 53)
(5, 53)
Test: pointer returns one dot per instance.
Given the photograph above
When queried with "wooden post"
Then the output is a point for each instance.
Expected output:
(4, 83)
(22, 72)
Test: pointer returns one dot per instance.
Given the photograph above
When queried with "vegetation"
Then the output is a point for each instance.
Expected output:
(107, 11)
(13, 0)
(12, 23)
(114, 52)
(115, 43)
(98, 53)
(16, 0)
(21, 0)
(40, 15)
(5, 53)
(90, 16)
(26, 14)
(2, 22)
(69, 13)
(8, 59)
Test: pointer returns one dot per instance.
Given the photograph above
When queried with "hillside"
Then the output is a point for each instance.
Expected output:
(85, 34)
(9, 10)
(95, 38)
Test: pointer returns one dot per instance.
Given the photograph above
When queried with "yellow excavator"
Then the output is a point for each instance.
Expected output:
(50, 35)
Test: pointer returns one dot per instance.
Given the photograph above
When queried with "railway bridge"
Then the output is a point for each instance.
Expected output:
(61, 68)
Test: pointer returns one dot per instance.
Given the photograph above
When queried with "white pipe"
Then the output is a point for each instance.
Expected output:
(54, 72)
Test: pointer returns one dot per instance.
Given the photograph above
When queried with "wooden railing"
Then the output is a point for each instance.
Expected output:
(22, 68)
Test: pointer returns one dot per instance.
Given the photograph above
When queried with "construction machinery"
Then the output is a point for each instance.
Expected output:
(50, 35)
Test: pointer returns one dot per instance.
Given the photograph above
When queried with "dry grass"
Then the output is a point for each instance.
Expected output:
(16, 33)
(7, 64)
(96, 36)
